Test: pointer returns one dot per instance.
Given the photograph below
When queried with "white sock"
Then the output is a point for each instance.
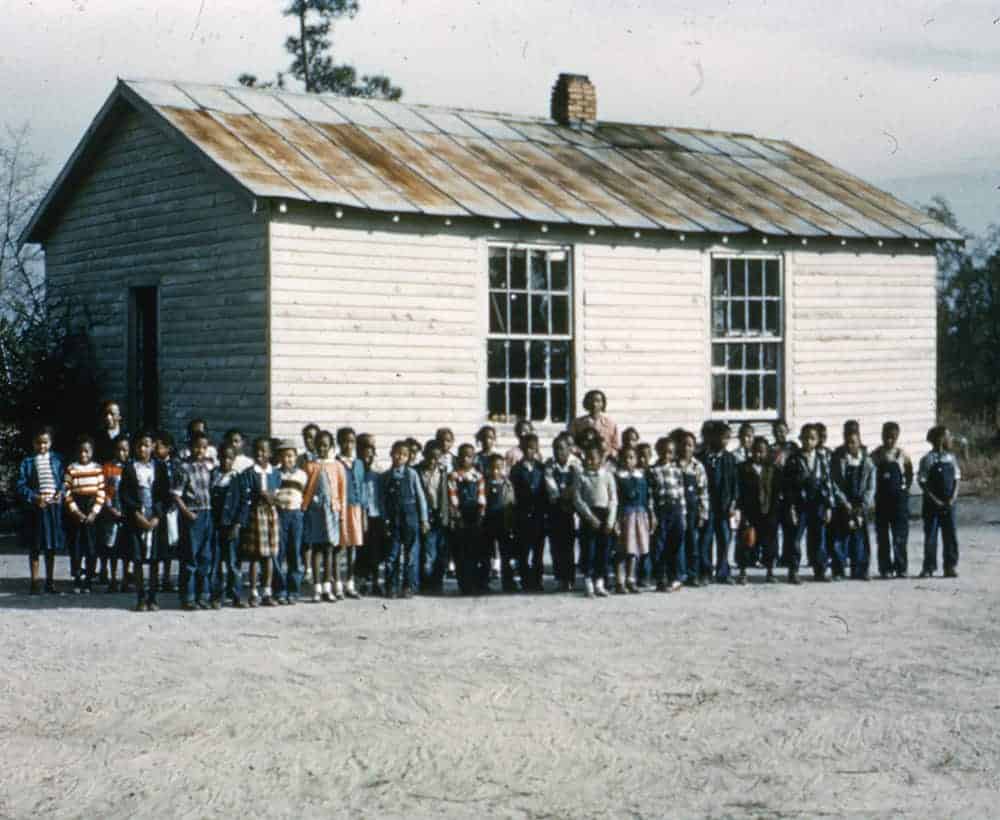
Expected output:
(327, 587)
(266, 592)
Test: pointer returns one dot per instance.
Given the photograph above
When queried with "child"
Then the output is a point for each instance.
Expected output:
(782, 447)
(323, 502)
(758, 504)
(309, 433)
(225, 494)
(405, 514)
(808, 494)
(373, 552)
(352, 521)
(939, 476)
(630, 437)
(635, 518)
(720, 470)
(446, 438)
(696, 505)
(561, 474)
(486, 437)
(853, 477)
(169, 530)
(259, 518)
(145, 493)
(193, 496)
(467, 496)
(498, 521)
(415, 449)
(434, 482)
(522, 428)
(666, 488)
(234, 439)
(745, 445)
(527, 477)
(596, 501)
(84, 493)
(112, 544)
(288, 500)
(39, 487)
(198, 427)
(893, 479)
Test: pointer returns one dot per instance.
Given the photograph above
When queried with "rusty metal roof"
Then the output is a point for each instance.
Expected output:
(401, 158)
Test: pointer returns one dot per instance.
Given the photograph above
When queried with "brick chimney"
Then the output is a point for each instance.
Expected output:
(574, 99)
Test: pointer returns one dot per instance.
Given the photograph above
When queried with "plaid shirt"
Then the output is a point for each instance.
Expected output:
(696, 469)
(666, 484)
(194, 485)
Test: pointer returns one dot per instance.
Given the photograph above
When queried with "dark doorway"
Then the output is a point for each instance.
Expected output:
(143, 363)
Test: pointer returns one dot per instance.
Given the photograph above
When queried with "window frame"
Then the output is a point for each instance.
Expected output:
(568, 338)
(779, 341)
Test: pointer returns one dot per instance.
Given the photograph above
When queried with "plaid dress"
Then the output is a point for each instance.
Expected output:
(260, 536)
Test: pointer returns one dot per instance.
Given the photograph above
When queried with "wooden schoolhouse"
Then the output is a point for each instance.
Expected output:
(263, 259)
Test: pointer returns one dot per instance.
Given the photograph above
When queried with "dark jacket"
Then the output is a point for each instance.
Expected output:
(404, 504)
(802, 487)
(758, 494)
(128, 491)
(250, 490)
(530, 498)
(720, 469)
(227, 509)
(27, 479)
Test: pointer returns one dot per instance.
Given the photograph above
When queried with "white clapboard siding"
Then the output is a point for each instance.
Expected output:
(377, 330)
(148, 213)
(642, 334)
(862, 343)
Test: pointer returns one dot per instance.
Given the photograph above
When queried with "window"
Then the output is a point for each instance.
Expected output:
(747, 336)
(529, 350)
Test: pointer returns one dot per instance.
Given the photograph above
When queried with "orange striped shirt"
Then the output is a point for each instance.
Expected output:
(84, 481)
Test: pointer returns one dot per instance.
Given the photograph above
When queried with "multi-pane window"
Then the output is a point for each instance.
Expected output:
(747, 336)
(530, 343)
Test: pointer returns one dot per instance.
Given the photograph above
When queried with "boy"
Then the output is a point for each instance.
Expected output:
(234, 439)
(226, 512)
(561, 474)
(528, 480)
(405, 512)
(168, 533)
(85, 495)
(193, 496)
(596, 501)
(499, 520)
(893, 479)
(198, 427)
(758, 505)
(446, 439)
(853, 477)
(939, 476)
(145, 493)
(288, 499)
(109, 525)
(434, 481)
(745, 444)
(373, 553)
(696, 504)
(808, 495)
(720, 471)
(467, 496)
(666, 485)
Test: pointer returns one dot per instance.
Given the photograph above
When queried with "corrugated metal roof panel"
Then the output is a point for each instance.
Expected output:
(394, 157)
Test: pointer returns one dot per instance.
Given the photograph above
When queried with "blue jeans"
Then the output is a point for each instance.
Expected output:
(719, 532)
(669, 563)
(561, 538)
(813, 526)
(228, 562)
(197, 557)
(434, 557)
(595, 546)
(851, 546)
(404, 564)
(287, 567)
(892, 530)
(529, 532)
(943, 520)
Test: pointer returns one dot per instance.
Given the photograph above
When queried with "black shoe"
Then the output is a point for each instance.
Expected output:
(50, 588)
(189, 606)
(951, 572)
(926, 574)
(407, 593)
(36, 588)
(883, 576)
(836, 578)
(202, 604)
(822, 578)
(727, 581)
(769, 578)
(793, 578)
(742, 580)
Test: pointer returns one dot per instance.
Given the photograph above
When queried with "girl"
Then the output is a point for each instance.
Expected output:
(467, 497)
(84, 494)
(259, 519)
(110, 532)
(486, 438)
(39, 487)
(745, 446)
(352, 520)
(635, 518)
(169, 531)
(324, 501)
(666, 488)
(853, 476)
(808, 494)
(498, 522)
(939, 476)
(696, 505)
(288, 499)
(145, 493)
(374, 524)
(309, 433)
(434, 552)
(561, 473)
(893, 479)
(225, 491)
(596, 501)
(758, 505)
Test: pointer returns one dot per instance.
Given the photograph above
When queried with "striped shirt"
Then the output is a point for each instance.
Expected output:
(84, 481)
(466, 476)
(194, 486)
(46, 480)
(292, 489)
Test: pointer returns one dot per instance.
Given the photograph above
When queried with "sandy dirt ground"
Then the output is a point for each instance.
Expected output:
(850, 700)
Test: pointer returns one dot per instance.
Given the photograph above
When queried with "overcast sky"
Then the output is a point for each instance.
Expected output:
(905, 93)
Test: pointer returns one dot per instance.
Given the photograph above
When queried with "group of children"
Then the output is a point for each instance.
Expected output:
(322, 518)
